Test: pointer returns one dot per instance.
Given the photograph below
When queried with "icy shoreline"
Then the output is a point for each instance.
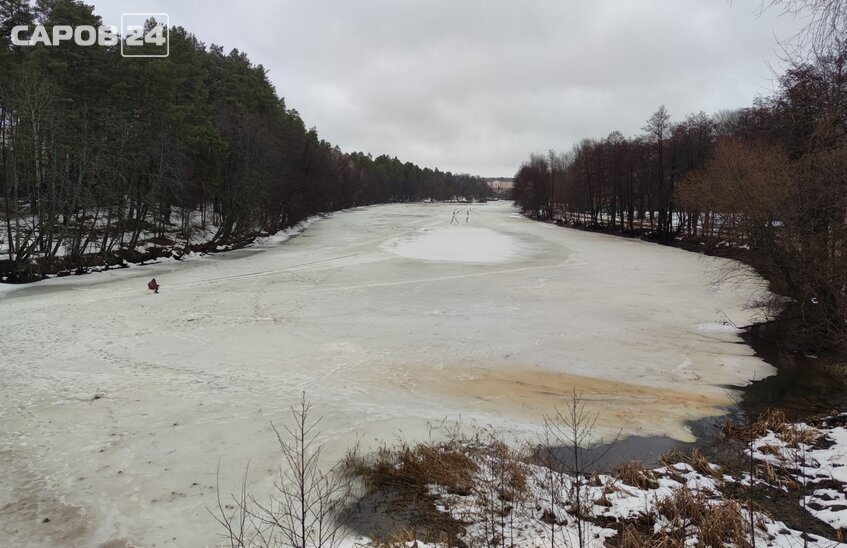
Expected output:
(686, 501)
(266, 241)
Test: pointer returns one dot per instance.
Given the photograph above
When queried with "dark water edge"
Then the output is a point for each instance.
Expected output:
(644, 449)
(803, 388)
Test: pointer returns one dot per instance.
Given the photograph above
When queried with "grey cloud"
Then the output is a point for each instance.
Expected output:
(476, 86)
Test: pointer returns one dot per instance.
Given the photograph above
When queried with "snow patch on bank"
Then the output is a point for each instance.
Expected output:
(718, 328)
(286, 234)
(261, 242)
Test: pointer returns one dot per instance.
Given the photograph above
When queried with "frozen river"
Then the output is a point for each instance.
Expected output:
(116, 404)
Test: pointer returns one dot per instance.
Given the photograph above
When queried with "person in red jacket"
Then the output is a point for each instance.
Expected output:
(154, 285)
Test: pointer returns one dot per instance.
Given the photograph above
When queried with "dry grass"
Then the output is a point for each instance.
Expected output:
(794, 436)
(771, 420)
(774, 421)
(414, 468)
(403, 539)
(700, 463)
(715, 523)
(633, 473)
(400, 476)
(776, 476)
(683, 508)
(509, 468)
(695, 459)
(722, 523)
(769, 449)
(631, 537)
(674, 456)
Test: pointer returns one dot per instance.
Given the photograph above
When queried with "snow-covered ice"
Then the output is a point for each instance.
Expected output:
(117, 404)
(464, 244)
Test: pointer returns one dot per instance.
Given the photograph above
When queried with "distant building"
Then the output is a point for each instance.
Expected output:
(502, 187)
(501, 183)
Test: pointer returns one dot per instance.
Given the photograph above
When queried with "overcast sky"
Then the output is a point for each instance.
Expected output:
(476, 86)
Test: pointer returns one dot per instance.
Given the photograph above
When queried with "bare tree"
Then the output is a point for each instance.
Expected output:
(306, 509)
(826, 21)
(568, 434)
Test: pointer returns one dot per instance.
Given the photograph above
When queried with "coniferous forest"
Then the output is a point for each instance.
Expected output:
(105, 159)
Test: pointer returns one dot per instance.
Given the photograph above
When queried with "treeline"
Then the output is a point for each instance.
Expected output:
(771, 178)
(105, 158)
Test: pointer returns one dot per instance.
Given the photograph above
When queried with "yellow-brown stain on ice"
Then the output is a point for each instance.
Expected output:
(538, 392)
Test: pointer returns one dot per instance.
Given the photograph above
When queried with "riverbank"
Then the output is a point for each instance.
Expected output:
(779, 484)
(774, 465)
(786, 315)
(153, 250)
(807, 384)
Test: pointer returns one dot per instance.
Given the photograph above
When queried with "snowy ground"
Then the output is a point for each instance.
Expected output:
(608, 499)
(811, 457)
(815, 458)
(117, 405)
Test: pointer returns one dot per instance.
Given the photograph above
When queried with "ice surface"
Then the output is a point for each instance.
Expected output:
(462, 244)
(117, 404)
